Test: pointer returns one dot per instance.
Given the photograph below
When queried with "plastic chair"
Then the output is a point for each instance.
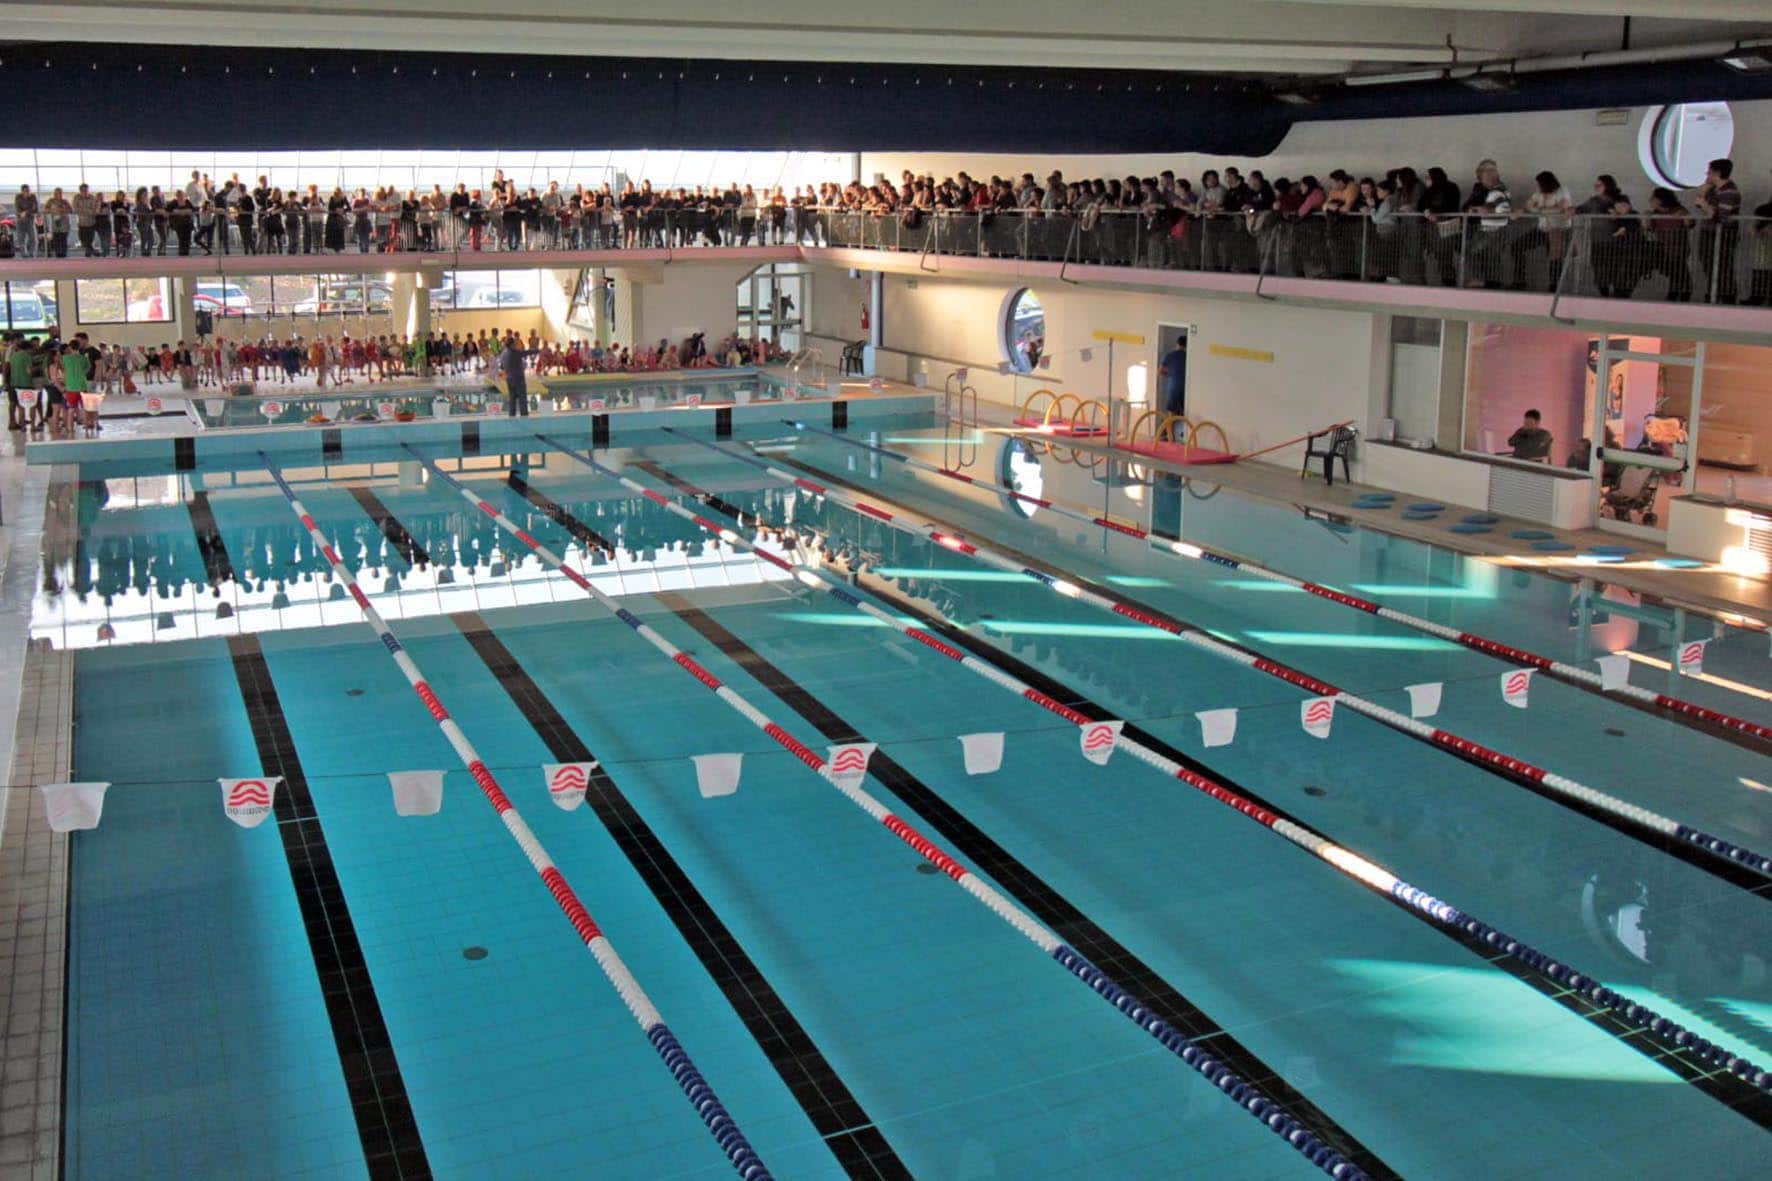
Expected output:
(1329, 445)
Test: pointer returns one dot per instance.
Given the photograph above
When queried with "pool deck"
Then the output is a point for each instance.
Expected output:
(1710, 589)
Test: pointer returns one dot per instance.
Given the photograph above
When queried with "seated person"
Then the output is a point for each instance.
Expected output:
(1530, 441)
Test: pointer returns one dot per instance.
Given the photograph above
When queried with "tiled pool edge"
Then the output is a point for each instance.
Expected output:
(34, 924)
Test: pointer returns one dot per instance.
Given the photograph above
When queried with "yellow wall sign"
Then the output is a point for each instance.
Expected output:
(1119, 337)
(1240, 354)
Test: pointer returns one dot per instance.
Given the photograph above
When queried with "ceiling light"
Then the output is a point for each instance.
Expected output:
(1390, 79)
(1748, 61)
(1495, 83)
(1296, 98)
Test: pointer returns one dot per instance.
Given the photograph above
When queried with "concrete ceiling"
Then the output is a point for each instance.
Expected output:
(1284, 37)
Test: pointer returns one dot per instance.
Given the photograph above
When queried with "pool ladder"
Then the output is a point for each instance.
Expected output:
(959, 405)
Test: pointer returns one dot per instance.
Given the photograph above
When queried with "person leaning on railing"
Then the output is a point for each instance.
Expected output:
(1718, 202)
(1760, 257)
(1670, 251)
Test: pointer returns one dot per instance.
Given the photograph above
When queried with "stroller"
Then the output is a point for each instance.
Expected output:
(1634, 493)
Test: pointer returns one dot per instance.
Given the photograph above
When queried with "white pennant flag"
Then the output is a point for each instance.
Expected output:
(848, 764)
(1424, 699)
(1098, 740)
(567, 782)
(717, 775)
(248, 801)
(983, 751)
(1516, 685)
(1614, 671)
(1692, 657)
(1217, 726)
(1316, 715)
(417, 793)
(72, 806)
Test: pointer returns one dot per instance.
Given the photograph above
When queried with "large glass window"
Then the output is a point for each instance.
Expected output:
(1414, 408)
(122, 301)
(25, 308)
(1024, 331)
(488, 290)
(1511, 370)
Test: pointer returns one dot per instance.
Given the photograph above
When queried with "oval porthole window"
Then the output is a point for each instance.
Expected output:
(1024, 331)
(1677, 142)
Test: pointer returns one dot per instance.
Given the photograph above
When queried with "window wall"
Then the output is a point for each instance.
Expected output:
(359, 294)
(1510, 370)
(487, 290)
(27, 305)
(122, 301)
(110, 170)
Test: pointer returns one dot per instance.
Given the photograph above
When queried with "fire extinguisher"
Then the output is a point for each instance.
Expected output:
(864, 317)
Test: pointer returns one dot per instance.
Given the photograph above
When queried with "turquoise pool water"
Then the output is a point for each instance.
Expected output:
(346, 992)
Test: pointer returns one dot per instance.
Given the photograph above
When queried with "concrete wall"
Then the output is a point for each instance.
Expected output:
(670, 303)
(1264, 373)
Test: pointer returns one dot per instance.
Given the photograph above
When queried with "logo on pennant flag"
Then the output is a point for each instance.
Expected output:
(848, 764)
(156, 404)
(417, 793)
(1614, 671)
(1098, 740)
(28, 399)
(692, 400)
(384, 409)
(248, 801)
(1424, 699)
(597, 403)
(983, 751)
(961, 375)
(1217, 726)
(567, 782)
(270, 409)
(1515, 685)
(73, 806)
(717, 775)
(1692, 657)
(876, 383)
(1317, 715)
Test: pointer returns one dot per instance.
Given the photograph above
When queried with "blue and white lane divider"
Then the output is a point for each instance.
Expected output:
(1580, 677)
(695, 1088)
(1348, 862)
(1272, 1115)
(1493, 760)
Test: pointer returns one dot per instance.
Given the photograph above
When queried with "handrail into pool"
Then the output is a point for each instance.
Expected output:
(1361, 869)
(1636, 817)
(695, 1088)
(1272, 1115)
(1581, 677)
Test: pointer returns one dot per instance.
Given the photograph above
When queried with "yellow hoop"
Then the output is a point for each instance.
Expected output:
(1132, 434)
(1027, 407)
(1087, 412)
(1193, 438)
(1166, 432)
(1057, 407)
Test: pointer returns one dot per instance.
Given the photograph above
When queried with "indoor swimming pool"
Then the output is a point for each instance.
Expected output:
(1406, 914)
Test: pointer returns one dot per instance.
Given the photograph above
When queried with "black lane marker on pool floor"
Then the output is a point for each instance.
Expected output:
(580, 532)
(1754, 1104)
(403, 542)
(1736, 875)
(1044, 902)
(859, 1146)
(379, 1103)
(1751, 1102)
(216, 563)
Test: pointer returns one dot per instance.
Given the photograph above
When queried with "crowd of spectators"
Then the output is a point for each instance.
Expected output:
(58, 386)
(1407, 225)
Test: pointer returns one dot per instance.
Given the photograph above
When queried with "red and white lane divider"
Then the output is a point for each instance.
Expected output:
(1574, 674)
(848, 782)
(1110, 734)
(695, 1088)
(1493, 760)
